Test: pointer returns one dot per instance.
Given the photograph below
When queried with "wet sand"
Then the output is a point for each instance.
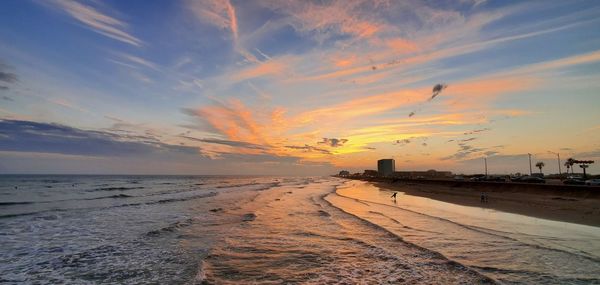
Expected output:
(566, 207)
(507, 247)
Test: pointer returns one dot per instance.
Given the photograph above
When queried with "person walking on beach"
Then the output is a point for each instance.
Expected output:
(394, 195)
(484, 197)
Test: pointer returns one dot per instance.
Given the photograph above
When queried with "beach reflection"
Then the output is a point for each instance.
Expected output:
(509, 247)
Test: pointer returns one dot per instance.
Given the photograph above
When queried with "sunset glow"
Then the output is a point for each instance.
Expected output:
(296, 87)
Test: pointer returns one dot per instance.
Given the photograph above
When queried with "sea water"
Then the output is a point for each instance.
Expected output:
(270, 230)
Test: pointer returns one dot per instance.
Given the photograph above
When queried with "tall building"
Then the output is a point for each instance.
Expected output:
(386, 167)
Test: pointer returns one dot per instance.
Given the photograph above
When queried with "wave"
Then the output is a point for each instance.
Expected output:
(108, 197)
(403, 225)
(265, 186)
(268, 186)
(15, 203)
(537, 278)
(434, 253)
(170, 200)
(237, 185)
(307, 258)
(163, 201)
(117, 188)
(65, 200)
(31, 213)
(170, 228)
(479, 230)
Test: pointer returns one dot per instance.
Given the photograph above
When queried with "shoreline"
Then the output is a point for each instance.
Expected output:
(563, 207)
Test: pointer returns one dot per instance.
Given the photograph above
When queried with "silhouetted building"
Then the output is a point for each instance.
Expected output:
(344, 173)
(429, 174)
(370, 173)
(386, 167)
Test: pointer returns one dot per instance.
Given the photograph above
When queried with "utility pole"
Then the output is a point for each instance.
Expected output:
(530, 171)
(558, 157)
(559, 172)
(485, 162)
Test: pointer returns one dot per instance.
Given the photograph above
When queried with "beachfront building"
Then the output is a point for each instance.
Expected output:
(429, 174)
(386, 167)
(370, 173)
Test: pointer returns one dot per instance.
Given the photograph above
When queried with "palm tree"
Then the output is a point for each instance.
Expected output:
(568, 166)
(540, 165)
(570, 163)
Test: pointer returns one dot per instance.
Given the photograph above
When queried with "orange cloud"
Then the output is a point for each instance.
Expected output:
(402, 45)
(235, 121)
(271, 67)
(343, 60)
(360, 107)
(297, 133)
(232, 18)
(216, 12)
(477, 93)
(362, 29)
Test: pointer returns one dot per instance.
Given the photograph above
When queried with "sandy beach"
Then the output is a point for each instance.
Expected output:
(567, 206)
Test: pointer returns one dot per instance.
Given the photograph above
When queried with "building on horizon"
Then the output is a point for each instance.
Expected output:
(370, 173)
(429, 174)
(386, 167)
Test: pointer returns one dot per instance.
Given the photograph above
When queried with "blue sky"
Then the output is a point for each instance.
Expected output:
(296, 87)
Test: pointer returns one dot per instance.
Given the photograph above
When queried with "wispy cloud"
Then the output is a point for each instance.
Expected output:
(67, 104)
(216, 12)
(309, 148)
(7, 76)
(97, 21)
(222, 14)
(328, 19)
(132, 59)
(28, 136)
(263, 69)
(226, 142)
(333, 142)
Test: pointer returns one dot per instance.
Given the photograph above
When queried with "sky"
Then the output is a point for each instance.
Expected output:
(280, 87)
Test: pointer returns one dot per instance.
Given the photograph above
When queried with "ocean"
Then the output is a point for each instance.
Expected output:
(271, 230)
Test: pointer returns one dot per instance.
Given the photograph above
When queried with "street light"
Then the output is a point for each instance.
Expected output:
(558, 157)
(485, 162)
(584, 166)
(530, 171)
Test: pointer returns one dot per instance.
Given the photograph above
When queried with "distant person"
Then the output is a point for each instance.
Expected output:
(485, 196)
(394, 195)
(482, 198)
